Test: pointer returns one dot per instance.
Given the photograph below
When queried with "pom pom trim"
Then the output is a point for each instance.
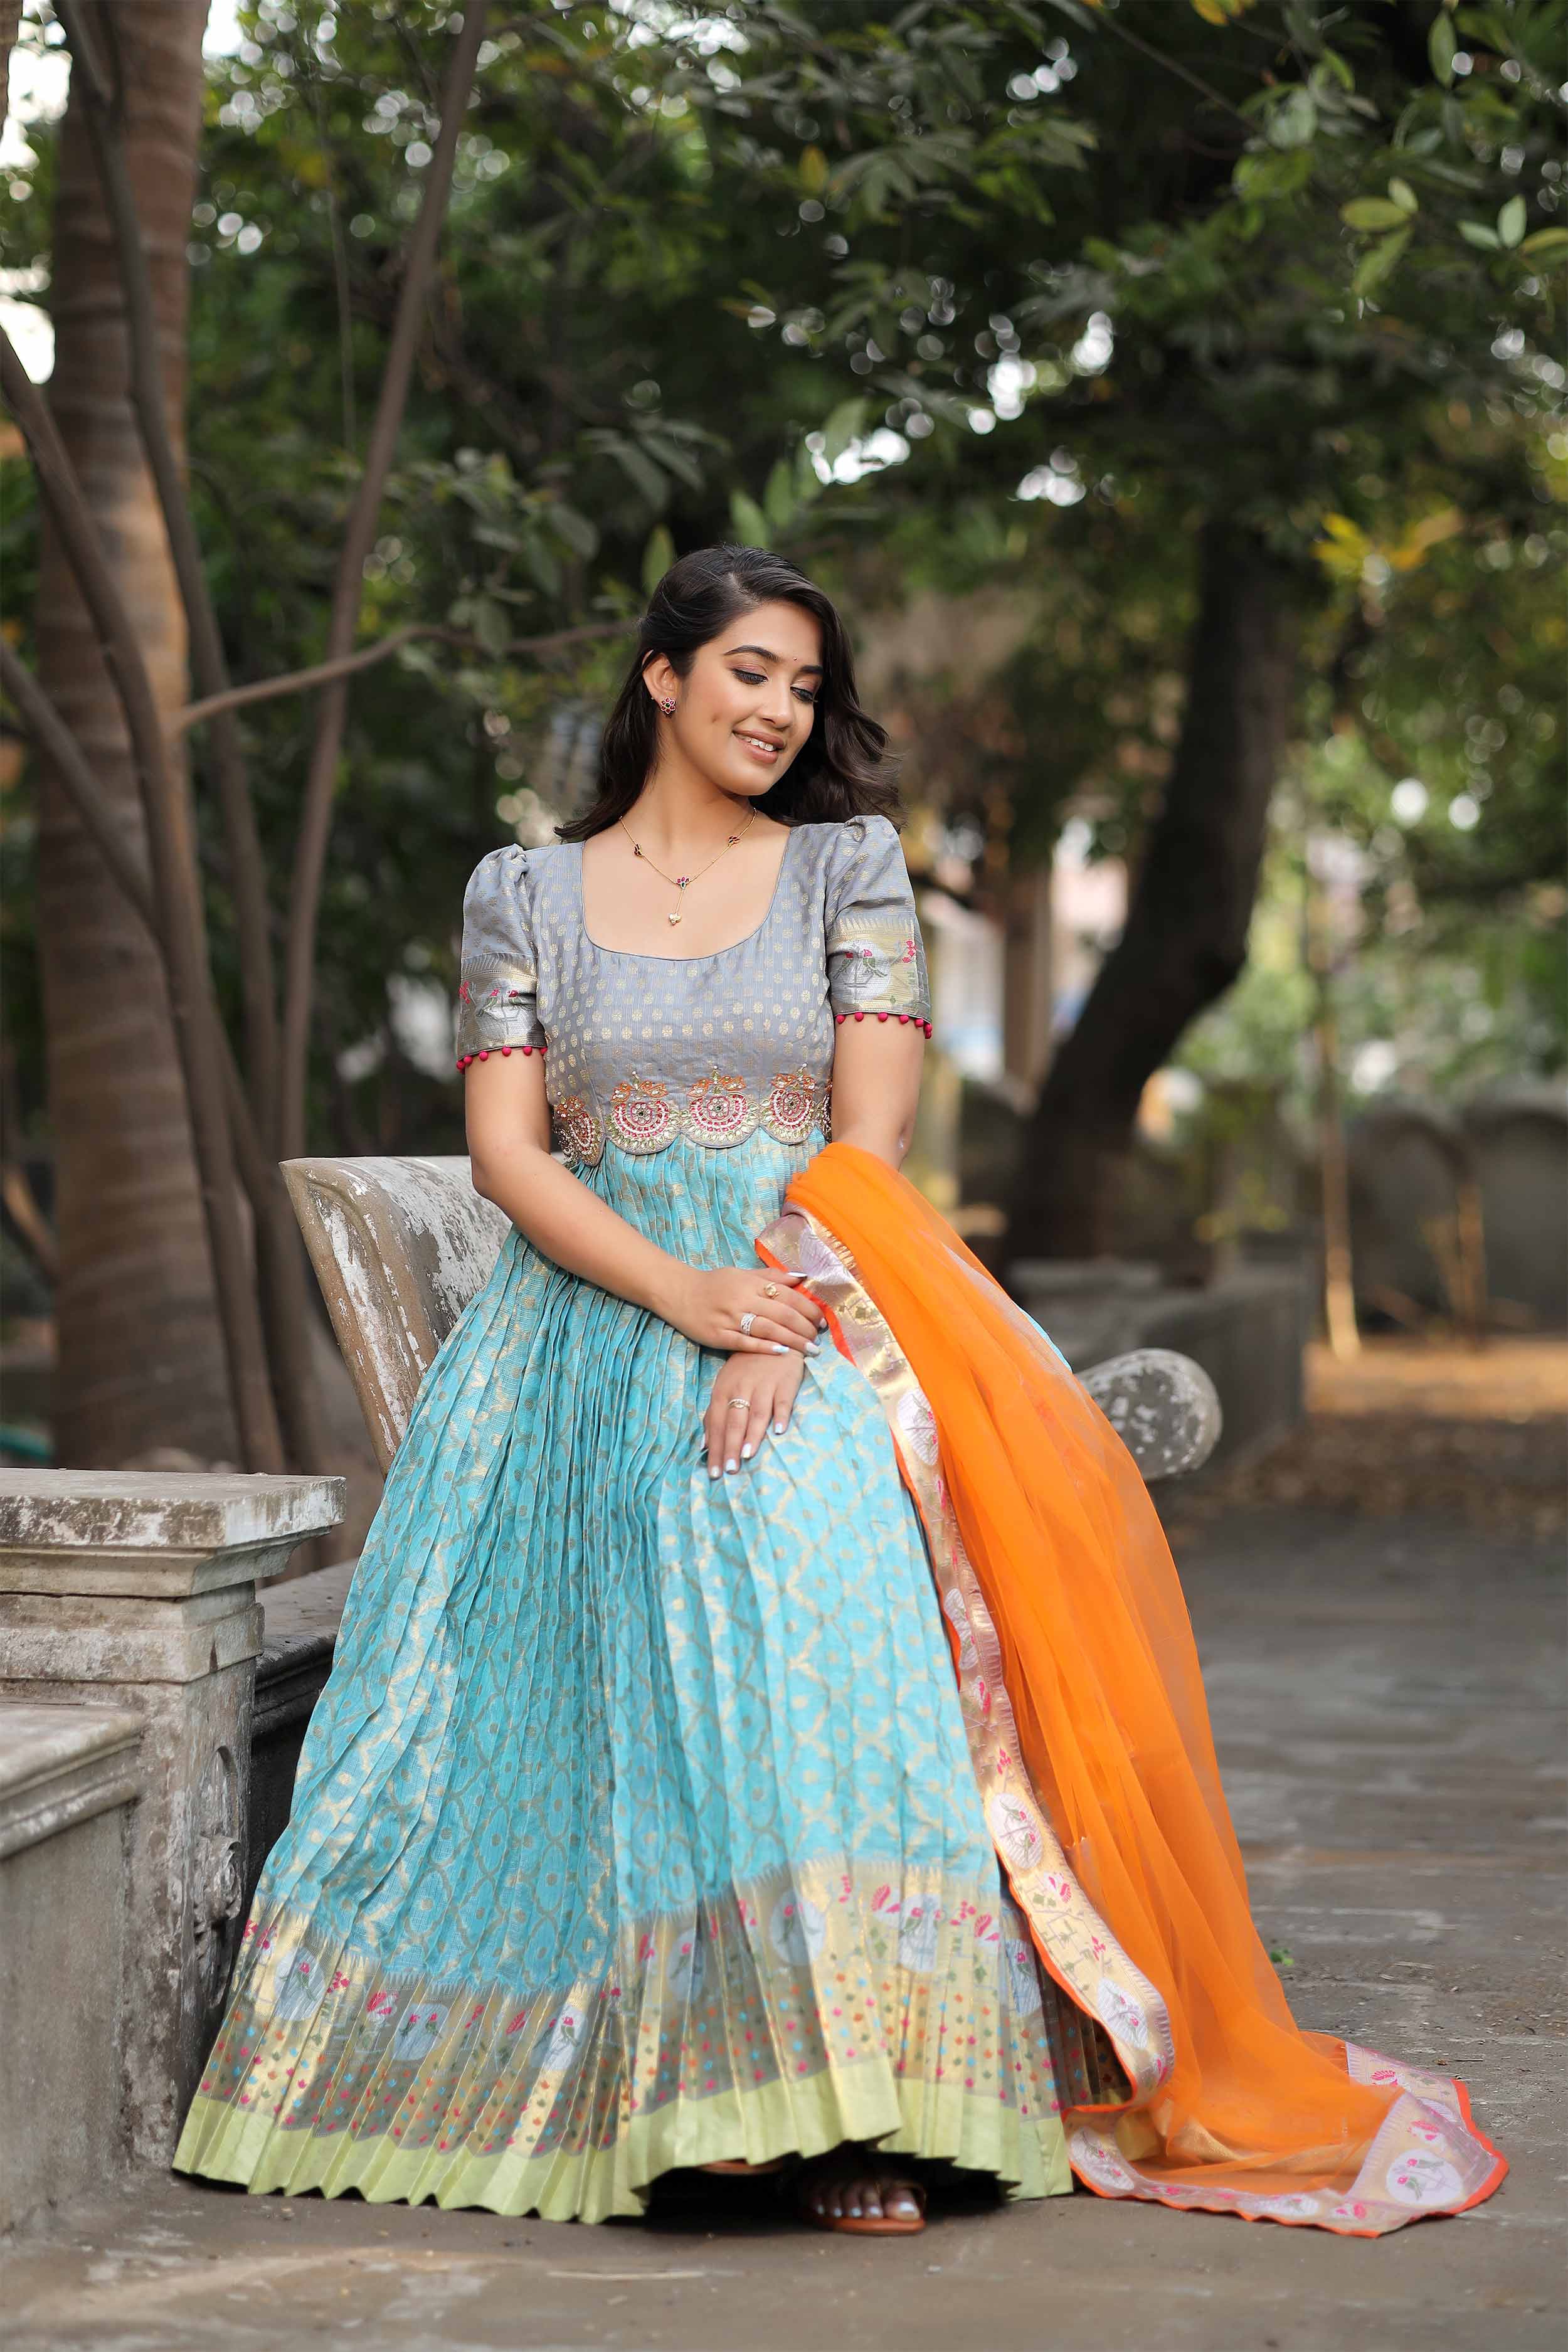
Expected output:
(922, 1026)
(485, 1051)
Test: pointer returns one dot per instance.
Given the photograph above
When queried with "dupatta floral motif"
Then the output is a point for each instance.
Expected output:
(1089, 1734)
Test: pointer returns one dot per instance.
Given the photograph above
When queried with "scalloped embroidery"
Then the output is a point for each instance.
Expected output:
(646, 1115)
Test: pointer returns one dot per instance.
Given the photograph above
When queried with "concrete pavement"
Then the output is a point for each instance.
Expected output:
(1388, 1698)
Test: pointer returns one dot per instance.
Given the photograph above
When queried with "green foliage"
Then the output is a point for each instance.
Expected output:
(996, 298)
(1438, 779)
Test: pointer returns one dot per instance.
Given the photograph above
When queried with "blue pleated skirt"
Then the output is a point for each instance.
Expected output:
(635, 1827)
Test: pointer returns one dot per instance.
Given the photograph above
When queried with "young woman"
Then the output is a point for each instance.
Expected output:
(764, 1729)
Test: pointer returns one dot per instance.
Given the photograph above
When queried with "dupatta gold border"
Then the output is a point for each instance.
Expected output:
(1077, 1946)
(1428, 2157)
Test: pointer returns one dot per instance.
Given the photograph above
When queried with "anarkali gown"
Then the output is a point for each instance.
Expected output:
(648, 1819)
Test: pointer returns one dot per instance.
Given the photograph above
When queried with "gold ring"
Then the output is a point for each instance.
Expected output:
(770, 1290)
(745, 1404)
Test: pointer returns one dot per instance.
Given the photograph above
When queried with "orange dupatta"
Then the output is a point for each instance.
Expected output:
(1027, 1490)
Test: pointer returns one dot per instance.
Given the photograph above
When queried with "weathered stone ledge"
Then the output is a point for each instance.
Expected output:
(129, 1633)
(61, 1765)
(71, 1780)
(157, 1533)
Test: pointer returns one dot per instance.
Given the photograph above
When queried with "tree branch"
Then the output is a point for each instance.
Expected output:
(1174, 64)
(304, 69)
(316, 815)
(176, 897)
(50, 735)
(299, 681)
(16, 1185)
(247, 866)
(276, 1233)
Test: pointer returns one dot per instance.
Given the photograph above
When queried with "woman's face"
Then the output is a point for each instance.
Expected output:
(745, 707)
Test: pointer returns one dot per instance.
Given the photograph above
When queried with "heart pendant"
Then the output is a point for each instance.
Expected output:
(672, 919)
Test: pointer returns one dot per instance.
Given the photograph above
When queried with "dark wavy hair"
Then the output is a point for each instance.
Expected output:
(842, 770)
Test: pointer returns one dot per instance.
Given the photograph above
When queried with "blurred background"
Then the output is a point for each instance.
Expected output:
(1169, 391)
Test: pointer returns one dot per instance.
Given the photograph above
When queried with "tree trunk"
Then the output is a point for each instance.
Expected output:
(141, 1357)
(10, 23)
(1185, 937)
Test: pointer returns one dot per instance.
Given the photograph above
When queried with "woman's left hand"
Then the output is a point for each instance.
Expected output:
(751, 1396)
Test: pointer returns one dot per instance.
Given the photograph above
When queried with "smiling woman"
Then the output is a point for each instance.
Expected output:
(738, 642)
(703, 1775)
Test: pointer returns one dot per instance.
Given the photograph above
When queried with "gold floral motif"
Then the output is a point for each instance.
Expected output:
(580, 1137)
(644, 1116)
(717, 1111)
(797, 1105)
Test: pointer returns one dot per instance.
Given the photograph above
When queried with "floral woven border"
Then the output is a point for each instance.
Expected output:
(1428, 2156)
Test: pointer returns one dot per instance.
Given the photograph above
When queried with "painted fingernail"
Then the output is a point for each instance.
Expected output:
(778, 1348)
(712, 1469)
(814, 1347)
(778, 1429)
(731, 1464)
(747, 1451)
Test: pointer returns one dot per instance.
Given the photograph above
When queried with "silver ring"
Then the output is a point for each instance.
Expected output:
(745, 1404)
(746, 1323)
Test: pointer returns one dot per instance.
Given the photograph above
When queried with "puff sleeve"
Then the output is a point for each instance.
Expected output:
(497, 987)
(876, 959)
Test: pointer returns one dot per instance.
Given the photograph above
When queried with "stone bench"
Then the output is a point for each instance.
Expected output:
(70, 1777)
(129, 1633)
(1248, 1332)
(400, 1247)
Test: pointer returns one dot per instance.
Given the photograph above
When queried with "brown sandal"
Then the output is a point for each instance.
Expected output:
(861, 2225)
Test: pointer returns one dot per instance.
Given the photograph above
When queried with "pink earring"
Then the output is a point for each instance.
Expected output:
(667, 709)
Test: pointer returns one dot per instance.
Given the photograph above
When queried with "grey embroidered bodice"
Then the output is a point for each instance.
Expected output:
(641, 1048)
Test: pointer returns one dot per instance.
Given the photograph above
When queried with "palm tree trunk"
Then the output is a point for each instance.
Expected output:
(1185, 936)
(141, 1361)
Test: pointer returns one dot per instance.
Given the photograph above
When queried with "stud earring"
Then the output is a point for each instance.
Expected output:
(667, 709)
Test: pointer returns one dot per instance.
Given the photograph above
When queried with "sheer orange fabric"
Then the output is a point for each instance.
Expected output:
(1103, 1672)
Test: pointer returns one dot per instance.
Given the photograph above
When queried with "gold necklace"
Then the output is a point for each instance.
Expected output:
(683, 881)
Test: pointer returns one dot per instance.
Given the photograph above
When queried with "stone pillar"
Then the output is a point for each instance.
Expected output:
(70, 1782)
(137, 1590)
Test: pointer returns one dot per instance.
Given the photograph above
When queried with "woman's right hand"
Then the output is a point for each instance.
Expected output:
(709, 1307)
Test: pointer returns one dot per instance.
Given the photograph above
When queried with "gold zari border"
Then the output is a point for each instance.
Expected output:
(1428, 2156)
